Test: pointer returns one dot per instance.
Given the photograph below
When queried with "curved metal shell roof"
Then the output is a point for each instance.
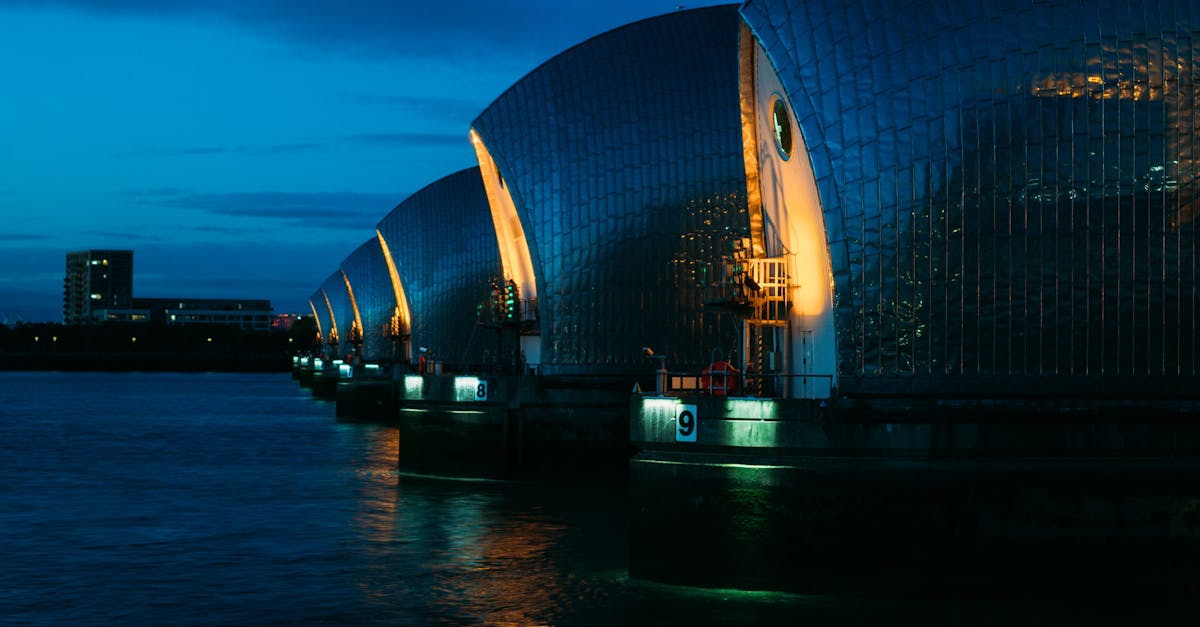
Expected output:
(624, 159)
(1009, 187)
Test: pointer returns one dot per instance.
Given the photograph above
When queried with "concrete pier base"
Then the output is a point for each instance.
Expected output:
(364, 399)
(803, 497)
(304, 375)
(513, 427)
(324, 383)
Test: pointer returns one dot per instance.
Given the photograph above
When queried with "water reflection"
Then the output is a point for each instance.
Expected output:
(236, 500)
(453, 550)
(374, 520)
(504, 571)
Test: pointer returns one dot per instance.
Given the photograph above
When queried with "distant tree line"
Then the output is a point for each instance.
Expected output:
(143, 346)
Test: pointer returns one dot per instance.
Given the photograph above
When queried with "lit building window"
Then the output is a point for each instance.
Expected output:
(96, 296)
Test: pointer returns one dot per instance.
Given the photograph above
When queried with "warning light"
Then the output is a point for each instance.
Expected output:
(511, 298)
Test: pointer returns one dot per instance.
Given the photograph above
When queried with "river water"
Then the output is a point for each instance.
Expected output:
(233, 499)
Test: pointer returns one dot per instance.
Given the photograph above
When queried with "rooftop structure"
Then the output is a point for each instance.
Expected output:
(247, 314)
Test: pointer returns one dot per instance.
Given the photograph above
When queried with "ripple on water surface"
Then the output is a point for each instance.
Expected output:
(135, 498)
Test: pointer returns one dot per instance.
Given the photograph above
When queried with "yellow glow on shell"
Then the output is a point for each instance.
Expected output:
(510, 235)
(397, 286)
(353, 303)
(333, 333)
(316, 317)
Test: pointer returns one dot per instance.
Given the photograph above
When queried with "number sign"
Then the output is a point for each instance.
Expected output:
(686, 423)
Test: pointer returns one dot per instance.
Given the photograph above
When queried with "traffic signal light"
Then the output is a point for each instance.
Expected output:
(511, 298)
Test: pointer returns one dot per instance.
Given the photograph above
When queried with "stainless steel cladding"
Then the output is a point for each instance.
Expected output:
(1009, 188)
(372, 302)
(443, 247)
(622, 160)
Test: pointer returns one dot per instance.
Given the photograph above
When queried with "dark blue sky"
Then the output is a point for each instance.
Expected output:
(242, 148)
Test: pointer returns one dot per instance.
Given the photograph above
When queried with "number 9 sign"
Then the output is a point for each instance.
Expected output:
(686, 423)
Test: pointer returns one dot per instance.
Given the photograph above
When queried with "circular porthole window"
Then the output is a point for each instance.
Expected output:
(781, 122)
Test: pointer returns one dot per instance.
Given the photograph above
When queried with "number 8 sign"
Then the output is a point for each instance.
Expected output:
(685, 423)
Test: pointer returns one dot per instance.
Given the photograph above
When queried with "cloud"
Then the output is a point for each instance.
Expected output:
(31, 285)
(253, 151)
(36, 281)
(210, 285)
(224, 230)
(124, 237)
(19, 304)
(452, 110)
(408, 139)
(467, 29)
(323, 210)
(280, 271)
(24, 237)
(156, 192)
(427, 140)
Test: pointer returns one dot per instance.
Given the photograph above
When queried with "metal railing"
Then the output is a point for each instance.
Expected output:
(742, 384)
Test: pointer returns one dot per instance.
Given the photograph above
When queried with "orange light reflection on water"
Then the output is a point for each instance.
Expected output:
(506, 572)
(489, 557)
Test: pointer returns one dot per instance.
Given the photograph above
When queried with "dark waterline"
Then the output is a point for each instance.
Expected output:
(137, 498)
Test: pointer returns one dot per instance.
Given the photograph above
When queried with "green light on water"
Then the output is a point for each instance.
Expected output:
(726, 594)
(417, 475)
(714, 465)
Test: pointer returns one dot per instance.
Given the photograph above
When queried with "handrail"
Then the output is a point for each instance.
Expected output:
(752, 384)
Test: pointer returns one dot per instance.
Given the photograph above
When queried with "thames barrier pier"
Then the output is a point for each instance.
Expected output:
(860, 296)
(895, 496)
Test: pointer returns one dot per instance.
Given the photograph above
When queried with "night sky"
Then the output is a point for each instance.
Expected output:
(243, 148)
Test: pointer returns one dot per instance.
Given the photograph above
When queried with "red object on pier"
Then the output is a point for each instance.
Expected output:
(720, 378)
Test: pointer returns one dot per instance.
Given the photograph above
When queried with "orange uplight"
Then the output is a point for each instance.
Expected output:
(333, 332)
(316, 317)
(510, 234)
(397, 287)
(353, 304)
(1078, 85)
